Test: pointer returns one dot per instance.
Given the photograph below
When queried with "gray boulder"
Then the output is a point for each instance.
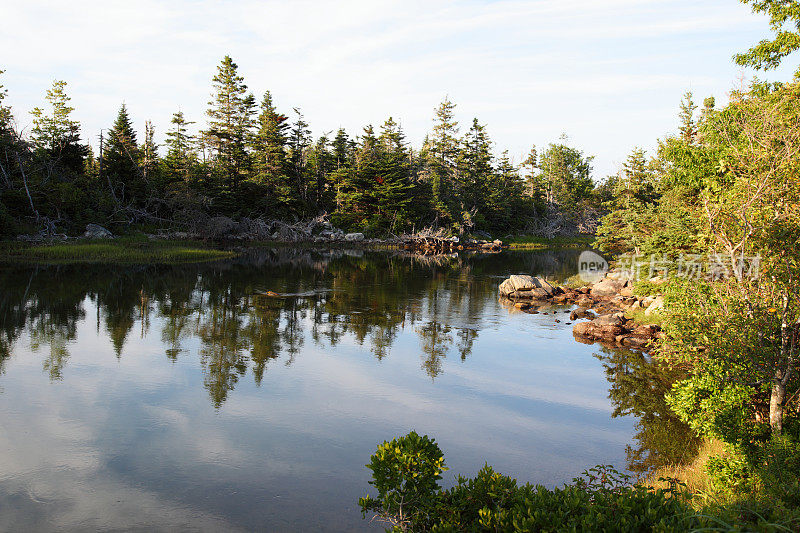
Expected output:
(615, 319)
(526, 283)
(354, 237)
(95, 231)
(607, 288)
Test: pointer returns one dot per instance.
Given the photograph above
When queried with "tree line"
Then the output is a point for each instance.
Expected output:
(253, 160)
(726, 188)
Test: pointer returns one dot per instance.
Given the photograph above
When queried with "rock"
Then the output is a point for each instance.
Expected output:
(537, 293)
(608, 332)
(626, 291)
(607, 288)
(646, 330)
(634, 341)
(497, 242)
(619, 275)
(520, 283)
(522, 305)
(95, 231)
(581, 312)
(656, 307)
(354, 237)
(582, 328)
(647, 300)
(615, 319)
(218, 227)
(517, 283)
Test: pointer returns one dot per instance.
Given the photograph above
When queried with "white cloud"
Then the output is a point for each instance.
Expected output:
(529, 69)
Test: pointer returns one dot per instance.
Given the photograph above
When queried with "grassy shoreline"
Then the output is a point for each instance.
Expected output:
(138, 249)
(528, 242)
(122, 250)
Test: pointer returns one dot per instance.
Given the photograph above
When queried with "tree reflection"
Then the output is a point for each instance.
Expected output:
(228, 315)
(638, 387)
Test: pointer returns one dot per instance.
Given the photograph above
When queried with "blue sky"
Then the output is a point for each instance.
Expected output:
(608, 73)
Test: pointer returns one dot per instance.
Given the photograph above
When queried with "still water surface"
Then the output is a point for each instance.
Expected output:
(157, 398)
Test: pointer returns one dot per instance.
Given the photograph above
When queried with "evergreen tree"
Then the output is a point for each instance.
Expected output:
(342, 149)
(299, 141)
(55, 135)
(442, 153)
(180, 156)
(475, 174)
(230, 121)
(121, 160)
(564, 179)
(269, 151)
(149, 154)
(320, 164)
(5, 111)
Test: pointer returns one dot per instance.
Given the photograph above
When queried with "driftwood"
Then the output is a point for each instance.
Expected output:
(430, 242)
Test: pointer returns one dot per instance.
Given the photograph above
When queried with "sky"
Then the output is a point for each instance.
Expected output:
(607, 73)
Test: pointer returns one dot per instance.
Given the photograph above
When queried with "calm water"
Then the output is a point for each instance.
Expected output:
(182, 397)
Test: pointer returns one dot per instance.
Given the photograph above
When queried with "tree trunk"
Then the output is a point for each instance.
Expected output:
(776, 404)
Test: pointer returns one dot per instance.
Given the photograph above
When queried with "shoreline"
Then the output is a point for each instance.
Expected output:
(151, 249)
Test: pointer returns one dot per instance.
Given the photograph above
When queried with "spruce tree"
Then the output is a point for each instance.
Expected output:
(149, 155)
(442, 153)
(475, 172)
(180, 156)
(299, 141)
(55, 135)
(121, 157)
(230, 121)
(269, 151)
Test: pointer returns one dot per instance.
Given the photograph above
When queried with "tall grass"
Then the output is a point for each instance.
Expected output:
(119, 251)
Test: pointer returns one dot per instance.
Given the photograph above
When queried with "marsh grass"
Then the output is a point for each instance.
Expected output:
(529, 242)
(124, 250)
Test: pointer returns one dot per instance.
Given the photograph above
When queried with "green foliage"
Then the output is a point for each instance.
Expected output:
(406, 472)
(602, 500)
(768, 54)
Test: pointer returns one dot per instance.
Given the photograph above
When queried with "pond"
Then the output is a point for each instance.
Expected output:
(249, 393)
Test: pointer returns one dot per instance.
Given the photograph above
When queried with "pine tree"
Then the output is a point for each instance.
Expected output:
(149, 155)
(5, 111)
(269, 151)
(320, 165)
(55, 135)
(299, 141)
(121, 160)
(180, 156)
(532, 163)
(442, 154)
(474, 172)
(230, 121)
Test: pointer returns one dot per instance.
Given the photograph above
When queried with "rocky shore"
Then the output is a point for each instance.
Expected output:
(603, 308)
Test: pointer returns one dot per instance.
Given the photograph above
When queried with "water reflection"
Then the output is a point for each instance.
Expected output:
(638, 386)
(191, 398)
(263, 306)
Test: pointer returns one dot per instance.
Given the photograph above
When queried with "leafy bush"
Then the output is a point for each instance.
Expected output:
(406, 472)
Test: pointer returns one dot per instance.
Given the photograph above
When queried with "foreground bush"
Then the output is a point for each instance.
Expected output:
(406, 472)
